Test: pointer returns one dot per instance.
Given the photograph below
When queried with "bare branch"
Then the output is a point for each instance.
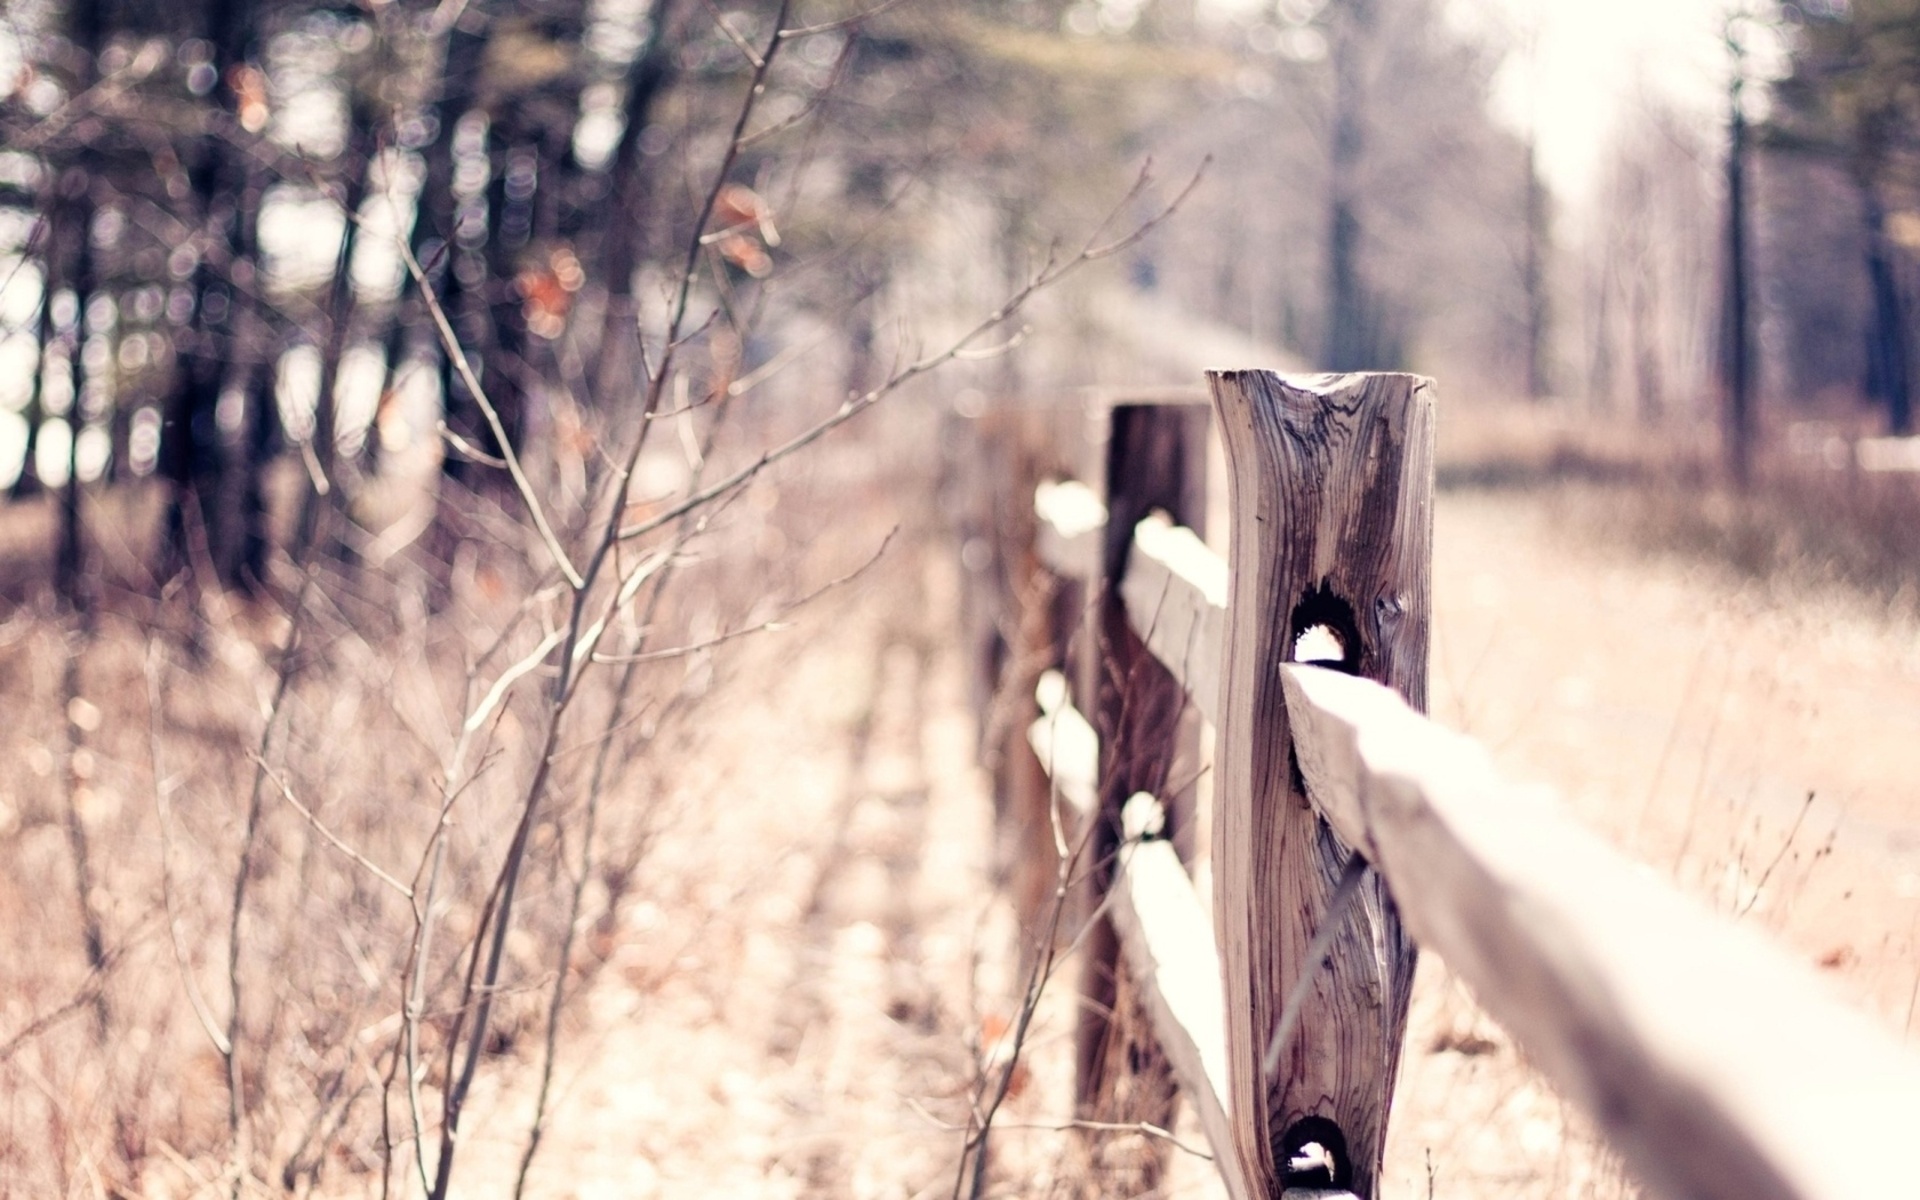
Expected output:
(812, 106)
(1144, 1128)
(83, 997)
(496, 917)
(151, 57)
(739, 43)
(769, 626)
(800, 31)
(1051, 271)
(530, 661)
(458, 356)
(469, 451)
(333, 838)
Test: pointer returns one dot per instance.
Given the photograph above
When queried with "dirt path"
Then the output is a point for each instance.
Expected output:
(791, 1010)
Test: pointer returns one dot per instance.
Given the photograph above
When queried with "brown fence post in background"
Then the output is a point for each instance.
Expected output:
(1154, 460)
(1332, 486)
(1014, 630)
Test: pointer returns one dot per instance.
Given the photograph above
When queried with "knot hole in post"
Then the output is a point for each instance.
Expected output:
(1313, 1154)
(1324, 631)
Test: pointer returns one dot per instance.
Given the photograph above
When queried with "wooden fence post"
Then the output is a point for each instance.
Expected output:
(1014, 623)
(1154, 459)
(1331, 479)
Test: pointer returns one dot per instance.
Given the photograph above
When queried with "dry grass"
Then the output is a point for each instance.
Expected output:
(1685, 668)
(275, 825)
(174, 770)
(1802, 527)
(789, 972)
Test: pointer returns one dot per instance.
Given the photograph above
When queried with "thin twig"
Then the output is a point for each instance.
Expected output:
(814, 103)
(458, 356)
(658, 569)
(531, 661)
(800, 31)
(84, 996)
(1039, 975)
(51, 126)
(469, 451)
(1145, 1128)
(243, 875)
(478, 990)
(1051, 271)
(740, 43)
(1332, 921)
(332, 838)
(768, 626)
(1760, 885)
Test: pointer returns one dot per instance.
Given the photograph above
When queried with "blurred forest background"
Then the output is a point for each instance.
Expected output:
(390, 394)
(201, 205)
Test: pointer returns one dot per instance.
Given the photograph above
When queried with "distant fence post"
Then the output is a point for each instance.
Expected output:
(1154, 459)
(1014, 614)
(1331, 480)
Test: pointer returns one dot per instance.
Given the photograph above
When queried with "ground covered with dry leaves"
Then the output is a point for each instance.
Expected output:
(787, 1010)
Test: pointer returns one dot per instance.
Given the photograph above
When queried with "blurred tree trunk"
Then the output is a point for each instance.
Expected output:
(254, 445)
(70, 267)
(28, 483)
(435, 244)
(511, 194)
(1888, 379)
(1643, 334)
(450, 272)
(532, 126)
(1352, 342)
(1738, 346)
(1346, 348)
(76, 276)
(1851, 98)
(358, 161)
(648, 77)
(192, 458)
(1534, 274)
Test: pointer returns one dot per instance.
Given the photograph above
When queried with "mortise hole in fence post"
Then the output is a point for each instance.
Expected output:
(1313, 1154)
(1331, 485)
(1322, 630)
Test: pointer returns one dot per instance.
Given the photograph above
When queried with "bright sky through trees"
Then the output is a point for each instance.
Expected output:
(1591, 61)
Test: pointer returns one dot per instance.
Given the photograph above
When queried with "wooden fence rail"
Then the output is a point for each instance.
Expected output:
(1713, 1064)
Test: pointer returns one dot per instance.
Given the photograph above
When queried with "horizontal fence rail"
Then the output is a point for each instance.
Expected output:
(1713, 1064)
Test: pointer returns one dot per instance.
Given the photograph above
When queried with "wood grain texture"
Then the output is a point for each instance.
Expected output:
(1331, 485)
(1717, 1068)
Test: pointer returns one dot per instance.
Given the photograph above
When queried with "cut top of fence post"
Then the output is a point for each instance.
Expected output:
(1332, 501)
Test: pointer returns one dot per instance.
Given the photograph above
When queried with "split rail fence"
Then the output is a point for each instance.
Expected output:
(1347, 828)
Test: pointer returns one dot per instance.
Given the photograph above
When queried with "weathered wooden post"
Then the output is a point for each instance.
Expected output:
(1154, 458)
(1331, 479)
